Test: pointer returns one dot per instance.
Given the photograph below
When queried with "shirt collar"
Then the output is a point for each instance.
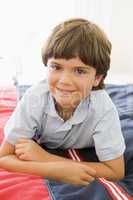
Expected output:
(50, 108)
(78, 116)
(81, 112)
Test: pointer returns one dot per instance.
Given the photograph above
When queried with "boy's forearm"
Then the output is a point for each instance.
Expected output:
(75, 173)
(102, 170)
(12, 163)
(105, 171)
(46, 169)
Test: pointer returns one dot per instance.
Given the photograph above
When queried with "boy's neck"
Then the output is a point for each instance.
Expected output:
(64, 113)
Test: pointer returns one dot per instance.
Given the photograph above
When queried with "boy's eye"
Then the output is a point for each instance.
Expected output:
(80, 71)
(54, 67)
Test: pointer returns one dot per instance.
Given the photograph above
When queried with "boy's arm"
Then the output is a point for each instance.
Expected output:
(75, 173)
(6, 149)
(112, 169)
(30, 150)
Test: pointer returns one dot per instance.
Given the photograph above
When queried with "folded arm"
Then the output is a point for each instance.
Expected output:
(29, 151)
(52, 168)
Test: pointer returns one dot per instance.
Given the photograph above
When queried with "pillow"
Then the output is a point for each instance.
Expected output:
(122, 96)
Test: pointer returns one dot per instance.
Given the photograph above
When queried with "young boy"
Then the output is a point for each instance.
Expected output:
(70, 109)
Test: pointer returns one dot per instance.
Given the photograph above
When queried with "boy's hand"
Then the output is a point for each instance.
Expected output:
(72, 173)
(27, 149)
(65, 171)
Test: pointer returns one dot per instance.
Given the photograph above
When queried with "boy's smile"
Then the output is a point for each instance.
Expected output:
(70, 81)
(63, 92)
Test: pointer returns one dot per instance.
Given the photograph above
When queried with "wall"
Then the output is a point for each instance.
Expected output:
(25, 25)
(122, 40)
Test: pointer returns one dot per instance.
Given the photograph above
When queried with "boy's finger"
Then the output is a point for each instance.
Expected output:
(22, 140)
(90, 171)
(19, 145)
(84, 183)
(88, 178)
(18, 152)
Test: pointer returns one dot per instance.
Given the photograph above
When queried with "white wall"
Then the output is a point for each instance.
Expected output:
(115, 17)
(122, 41)
(25, 24)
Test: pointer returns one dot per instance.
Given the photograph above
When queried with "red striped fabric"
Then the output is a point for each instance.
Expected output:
(115, 191)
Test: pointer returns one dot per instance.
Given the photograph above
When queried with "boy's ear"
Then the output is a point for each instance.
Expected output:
(98, 79)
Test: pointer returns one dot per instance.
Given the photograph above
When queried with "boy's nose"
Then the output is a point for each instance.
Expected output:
(65, 78)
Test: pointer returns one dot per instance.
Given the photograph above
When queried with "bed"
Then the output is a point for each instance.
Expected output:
(16, 186)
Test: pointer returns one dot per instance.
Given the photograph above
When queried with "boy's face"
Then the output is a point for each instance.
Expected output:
(70, 81)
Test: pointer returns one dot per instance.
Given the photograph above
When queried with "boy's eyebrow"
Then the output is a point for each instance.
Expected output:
(82, 67)
(54, 62)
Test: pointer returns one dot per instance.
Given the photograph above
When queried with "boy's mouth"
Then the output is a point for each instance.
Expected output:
(64, 92)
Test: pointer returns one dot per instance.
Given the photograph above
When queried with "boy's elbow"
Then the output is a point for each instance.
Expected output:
(116, 168)
(6, 149)
(121, 174)
(2, 160)
(6, 161)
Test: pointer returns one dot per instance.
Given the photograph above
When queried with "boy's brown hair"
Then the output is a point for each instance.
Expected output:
(82, 38)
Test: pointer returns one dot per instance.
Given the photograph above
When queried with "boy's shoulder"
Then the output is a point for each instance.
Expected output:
(39, 89)
(101, 94)
(101, 102)
(37, 94)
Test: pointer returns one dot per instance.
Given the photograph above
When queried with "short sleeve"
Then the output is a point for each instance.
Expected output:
(108, 138)
(25, 118)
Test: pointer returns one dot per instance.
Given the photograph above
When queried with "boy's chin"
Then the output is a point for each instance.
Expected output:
(68, 105)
